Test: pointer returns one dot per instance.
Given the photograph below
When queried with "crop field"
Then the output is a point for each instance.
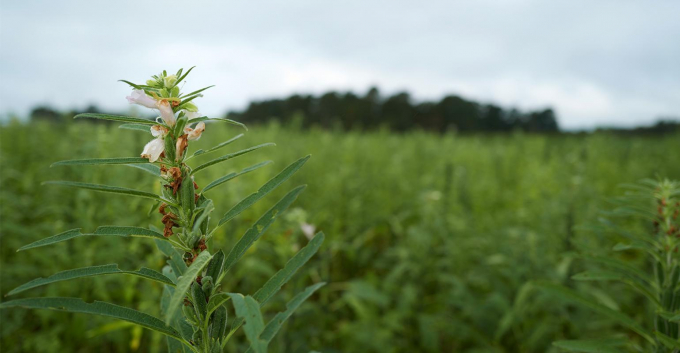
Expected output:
(434, 242)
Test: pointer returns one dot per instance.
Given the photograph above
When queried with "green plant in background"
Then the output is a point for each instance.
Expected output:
(657, 204)
(193, 303)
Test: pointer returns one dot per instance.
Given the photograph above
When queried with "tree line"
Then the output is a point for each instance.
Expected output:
(398, 112)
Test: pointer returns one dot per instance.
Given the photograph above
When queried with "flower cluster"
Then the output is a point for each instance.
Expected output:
(163, 94)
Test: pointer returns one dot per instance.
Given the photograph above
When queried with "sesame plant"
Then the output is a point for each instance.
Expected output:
(193, 302)
(656, 204)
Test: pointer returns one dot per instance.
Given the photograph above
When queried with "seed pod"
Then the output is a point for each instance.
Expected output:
(190, 314)
(215, 266)
(187, 189)
(169, 148)
(219, 322)
(199, 300)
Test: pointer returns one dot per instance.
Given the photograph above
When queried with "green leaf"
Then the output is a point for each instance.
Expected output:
(176, 261)
(229, 121)
(667, 341)
(196, 91)
(125, 119)
(95, 161)
(101, 231)
(606, 345)
(264, 190)
(138, 127)
(256, 231)
(90, 272)
(77, 305)
(184, 282)
(248, 309)
(215, 266)
(149, 168)
(274, 284)
(575, 297)
(216, 301)
(228, 157)
(230, 176)
(225, 143)
(625, 267)
(104, 188)
(615, 276)
(275, 324)
(179, 79)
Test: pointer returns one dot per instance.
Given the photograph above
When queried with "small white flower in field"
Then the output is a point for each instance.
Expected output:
(139, 97)
(166, 112)
(308, 230)
(158, 131)
(195, 133)
(153, 149)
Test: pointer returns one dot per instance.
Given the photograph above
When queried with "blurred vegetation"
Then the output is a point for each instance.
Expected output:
(432, 239)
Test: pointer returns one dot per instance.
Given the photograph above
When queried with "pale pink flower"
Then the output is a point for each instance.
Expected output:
(153, 149)
(308, 229)
(166, 112)
(139, 97)
(195, 133)
(158, 131)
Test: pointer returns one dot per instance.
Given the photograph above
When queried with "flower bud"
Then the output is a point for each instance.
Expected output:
(170, 80)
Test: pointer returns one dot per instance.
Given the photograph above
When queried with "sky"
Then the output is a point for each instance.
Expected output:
(604, 63)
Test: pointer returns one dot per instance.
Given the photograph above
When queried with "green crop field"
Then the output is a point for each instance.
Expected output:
(433, 241)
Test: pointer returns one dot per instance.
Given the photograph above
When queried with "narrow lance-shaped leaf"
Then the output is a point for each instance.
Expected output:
(605, 345)
(90, 272)
(77, 305)
(248, 309)
(275, 324)
(230, 176)
(137, 127)
(101, 231)
(148, 167)
(197, 91)
(215, 148)
(228, 157)
(573, 296)
(176, 261)
(184, 283)
(274, 284)
(125, 119)
(256, 231)
(264, 190)
(104, 188)
(228, 121)
(667, 341)
(96, 161)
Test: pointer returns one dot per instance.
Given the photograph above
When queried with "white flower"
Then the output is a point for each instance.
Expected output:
(158, 131)
(139, 97)
(153, 149)
(166, 112)
(191, 114)
(195, 133)
(308, 229)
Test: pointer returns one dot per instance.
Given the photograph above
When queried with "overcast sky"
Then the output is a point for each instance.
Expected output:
(596, 63)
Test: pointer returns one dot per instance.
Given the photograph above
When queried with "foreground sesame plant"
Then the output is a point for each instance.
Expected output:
(657, 204)
(193, 303)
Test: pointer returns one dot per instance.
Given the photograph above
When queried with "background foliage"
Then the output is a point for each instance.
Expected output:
(432, 240)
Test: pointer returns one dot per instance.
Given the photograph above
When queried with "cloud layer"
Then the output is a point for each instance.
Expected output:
(604, 63)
